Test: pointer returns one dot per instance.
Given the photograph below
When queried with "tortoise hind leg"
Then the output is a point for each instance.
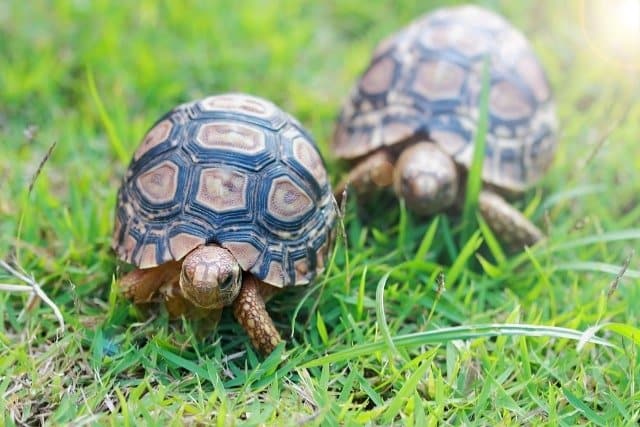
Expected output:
(250, 311)
(509, 224)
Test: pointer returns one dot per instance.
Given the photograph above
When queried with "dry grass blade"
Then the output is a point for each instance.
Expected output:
(10, 287)
(616, 282)
(41, 165)
(341, 208)
(35, 288)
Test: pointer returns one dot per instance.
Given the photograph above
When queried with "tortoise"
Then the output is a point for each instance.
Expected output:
(410, 120)
(225, 202)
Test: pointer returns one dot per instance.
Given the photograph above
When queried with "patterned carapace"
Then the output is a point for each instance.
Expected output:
(424, 83)
(234, 170)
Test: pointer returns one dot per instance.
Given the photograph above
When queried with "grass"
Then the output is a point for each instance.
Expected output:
(384, 337)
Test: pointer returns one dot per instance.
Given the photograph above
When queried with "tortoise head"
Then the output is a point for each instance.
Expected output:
(210, 277)
(426, 178)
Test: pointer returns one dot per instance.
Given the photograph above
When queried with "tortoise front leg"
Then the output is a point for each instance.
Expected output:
(370, 174)
(250, 311)
(509, 224)
(140, 285)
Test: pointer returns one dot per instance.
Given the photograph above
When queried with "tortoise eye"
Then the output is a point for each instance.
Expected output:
(227, 282)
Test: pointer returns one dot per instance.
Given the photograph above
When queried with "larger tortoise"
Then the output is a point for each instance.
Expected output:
(411, 119)
(225, 201)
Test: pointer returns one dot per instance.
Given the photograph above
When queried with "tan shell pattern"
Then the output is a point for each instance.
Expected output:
(424, 82)
(234, 170)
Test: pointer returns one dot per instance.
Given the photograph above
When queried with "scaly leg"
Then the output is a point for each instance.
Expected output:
(141, 285)
(250, 311)
(371, 173)
(509, 224)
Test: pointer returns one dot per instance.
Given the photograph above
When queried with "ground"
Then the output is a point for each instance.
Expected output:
(93, 76)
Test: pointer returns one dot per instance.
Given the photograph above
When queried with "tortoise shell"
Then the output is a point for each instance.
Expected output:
(233, 170)
(424, 82)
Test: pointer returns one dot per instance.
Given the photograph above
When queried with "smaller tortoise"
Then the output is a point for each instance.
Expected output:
(226, 201)
(411, 119)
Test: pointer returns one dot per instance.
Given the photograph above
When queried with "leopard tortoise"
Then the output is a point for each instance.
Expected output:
(410, 121)
(225, 201)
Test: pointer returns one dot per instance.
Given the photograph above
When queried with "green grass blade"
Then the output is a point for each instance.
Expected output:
(622, 329)
(543, 274)
(455, 333)
(589, 413)
(474, 178)
(601, 267)
(403, 225)
(408, 388)
(491, 270)
(366, 387)
(114, 140)
(382, 317)
(614, 236)
(322, 328)
(492, 242)
(361, 294)
(628, 331)
(467, 252)
(427, 240)
(181, 362)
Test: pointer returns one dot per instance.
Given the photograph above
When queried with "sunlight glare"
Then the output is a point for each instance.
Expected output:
(613, 27)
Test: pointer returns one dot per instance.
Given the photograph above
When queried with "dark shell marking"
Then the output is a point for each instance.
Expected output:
(234, 170)
(425, 81)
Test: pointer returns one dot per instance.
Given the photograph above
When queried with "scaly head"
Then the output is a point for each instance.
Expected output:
(210, 277)
(426, 178)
